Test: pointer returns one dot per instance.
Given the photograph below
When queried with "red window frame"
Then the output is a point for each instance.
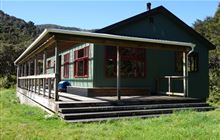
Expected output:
(112, 54)
(81, 59)
(66, 59)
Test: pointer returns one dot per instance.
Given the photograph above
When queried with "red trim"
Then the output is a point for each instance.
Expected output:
(66, 65)
(83, 59)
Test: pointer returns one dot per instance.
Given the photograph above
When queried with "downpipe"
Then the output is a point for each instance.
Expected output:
(187, 72)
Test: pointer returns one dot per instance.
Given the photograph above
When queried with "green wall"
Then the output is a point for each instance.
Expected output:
(76, 82)
(158, 62)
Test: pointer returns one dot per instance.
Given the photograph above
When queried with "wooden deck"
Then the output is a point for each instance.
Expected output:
(50, 105)
(75, 108)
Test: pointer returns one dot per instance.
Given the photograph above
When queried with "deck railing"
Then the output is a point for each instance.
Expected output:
(39, 84)
(170, 79)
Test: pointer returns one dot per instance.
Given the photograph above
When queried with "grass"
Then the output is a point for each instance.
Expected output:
(23, 122)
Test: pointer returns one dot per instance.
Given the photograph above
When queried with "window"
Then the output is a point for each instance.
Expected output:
(66, 65)
(48, 64)
(132, 62)
(193, 61)
(179, 61)
(81, 62)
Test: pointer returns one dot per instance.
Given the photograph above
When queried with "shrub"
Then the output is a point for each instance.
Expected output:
(7, 81)
(214, 86)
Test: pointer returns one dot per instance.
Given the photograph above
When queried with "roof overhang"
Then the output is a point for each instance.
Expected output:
(101, 38)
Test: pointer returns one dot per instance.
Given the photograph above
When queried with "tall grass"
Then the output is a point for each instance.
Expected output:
(23, 122)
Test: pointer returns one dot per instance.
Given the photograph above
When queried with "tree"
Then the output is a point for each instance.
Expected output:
(210, 28)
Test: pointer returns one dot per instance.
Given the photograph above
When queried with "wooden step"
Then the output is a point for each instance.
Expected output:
(82, 104)
(78, 116)
(128, 107)
(114, 118)
(122, 102)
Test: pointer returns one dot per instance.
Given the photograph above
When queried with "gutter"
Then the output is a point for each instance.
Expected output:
(100, 35)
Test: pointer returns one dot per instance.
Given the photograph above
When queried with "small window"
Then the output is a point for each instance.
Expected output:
(179, 61)
(132, 62)
(193, 62)
(66, 65)
(48, 64)
(81, 62)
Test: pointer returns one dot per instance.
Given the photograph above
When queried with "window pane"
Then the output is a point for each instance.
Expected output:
(85, 67)
(110, 68)
(179, 61)
(80, 68)
(132, 62)
(111, 52)
(81, 53)
(193, 62)
(132, 69)
(66, 70)
(81, 62)
(66, 57)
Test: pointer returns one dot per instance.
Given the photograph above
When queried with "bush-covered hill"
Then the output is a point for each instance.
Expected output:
(15, 36)
(210, 28)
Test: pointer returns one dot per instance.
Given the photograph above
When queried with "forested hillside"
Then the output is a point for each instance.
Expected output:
(15, 36)
(210, 28)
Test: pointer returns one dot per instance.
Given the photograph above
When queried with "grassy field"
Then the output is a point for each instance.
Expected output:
(23, 122)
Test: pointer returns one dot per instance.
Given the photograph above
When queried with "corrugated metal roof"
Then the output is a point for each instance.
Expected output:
(99, 35)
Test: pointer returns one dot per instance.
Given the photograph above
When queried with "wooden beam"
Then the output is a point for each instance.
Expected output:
(169, 84)
(38, 84)
(57, 72)
(29, 68)
(25, 74)
(29, 73)
(35, 73)
(116, 42)
(44, 71)
(118, 74)
(185, 74)
(49, 88)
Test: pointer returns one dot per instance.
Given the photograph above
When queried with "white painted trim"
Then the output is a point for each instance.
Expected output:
(38, 76)
(101, 35)
(173, 93)
(174, 77)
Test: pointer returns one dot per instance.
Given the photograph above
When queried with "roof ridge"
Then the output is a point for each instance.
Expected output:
(161, 9)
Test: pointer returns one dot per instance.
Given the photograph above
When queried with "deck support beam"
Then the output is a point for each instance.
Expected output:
(44, 71)
(118, 74)
(25, 74)
(29, 73)
(57, 72)
(185, 74)
(35, 73)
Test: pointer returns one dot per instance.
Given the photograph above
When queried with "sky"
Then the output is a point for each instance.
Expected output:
(97, 14)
